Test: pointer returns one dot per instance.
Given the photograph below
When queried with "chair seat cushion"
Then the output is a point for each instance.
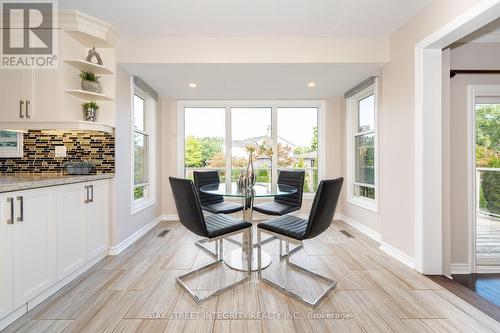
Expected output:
(287, 225)
(275, 208)
(220, 224)
(222, 208)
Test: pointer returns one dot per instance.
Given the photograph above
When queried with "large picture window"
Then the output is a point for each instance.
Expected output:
(362, 148)
(284, 135)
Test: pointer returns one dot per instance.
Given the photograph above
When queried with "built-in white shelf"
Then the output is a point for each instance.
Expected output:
(87, 30)
(89, 66)
(88, 96)
(52, 125)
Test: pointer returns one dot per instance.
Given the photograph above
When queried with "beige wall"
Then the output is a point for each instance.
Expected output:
(123, 224)
(397, 121)
(333, 150)
(465, 56)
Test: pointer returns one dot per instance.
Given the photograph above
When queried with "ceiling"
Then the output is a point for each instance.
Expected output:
(252, 81)
(489, 33)
(270, 18)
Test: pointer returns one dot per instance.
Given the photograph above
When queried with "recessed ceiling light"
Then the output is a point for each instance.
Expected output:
(311, 84)
(192, 85)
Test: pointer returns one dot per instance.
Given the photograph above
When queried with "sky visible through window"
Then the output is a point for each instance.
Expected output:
(294, 124)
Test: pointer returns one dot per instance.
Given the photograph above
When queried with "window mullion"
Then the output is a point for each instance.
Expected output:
(228, 147)
(274, 138)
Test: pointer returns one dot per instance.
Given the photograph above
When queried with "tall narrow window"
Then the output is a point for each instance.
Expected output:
(143, 124)
(252, 127)
(298, 143)
(204, 141)
(362, 148)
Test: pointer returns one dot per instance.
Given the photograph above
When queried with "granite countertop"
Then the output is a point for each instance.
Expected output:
(25, 181)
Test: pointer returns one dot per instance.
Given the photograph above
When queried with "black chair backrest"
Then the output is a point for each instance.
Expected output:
(295, 179)
(188, 205)
(323, 207)
(202, 178)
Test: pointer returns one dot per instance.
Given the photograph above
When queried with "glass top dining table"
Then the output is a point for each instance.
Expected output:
(238, 259)
(259, 190)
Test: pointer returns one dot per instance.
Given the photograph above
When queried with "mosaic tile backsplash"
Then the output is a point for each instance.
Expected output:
(39, 151)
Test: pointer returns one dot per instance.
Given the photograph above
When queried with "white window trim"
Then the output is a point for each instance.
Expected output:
(273, 104)
(351, 109)
(150, 120)
(16, 152)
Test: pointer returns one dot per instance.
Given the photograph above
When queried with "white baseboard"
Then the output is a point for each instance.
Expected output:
(360, 227)
(169, 217)
(115, 250)
(12, 317)
(397, 254)
(460, 268)
(488, 269)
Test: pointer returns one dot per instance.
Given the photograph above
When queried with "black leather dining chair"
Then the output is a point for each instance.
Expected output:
(210, 202)
(293, 229)
(214, 227)
(285, 204)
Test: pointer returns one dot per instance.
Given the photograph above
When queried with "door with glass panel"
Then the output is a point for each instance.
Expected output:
(487, 179)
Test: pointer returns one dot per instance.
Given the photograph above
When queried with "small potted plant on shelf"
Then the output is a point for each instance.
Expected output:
(90, 111)
(90, 82)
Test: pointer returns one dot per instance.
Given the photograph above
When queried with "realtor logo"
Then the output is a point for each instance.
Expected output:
(28, 34)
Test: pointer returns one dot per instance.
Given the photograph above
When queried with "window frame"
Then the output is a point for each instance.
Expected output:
(150, 132)
(274, 105)
(352, 132)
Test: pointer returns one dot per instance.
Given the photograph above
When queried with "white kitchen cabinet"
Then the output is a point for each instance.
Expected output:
(13, 91)
(33, 244)
(71, 229)
(29, 95)
(6, 229)
(97, 217)
(82, 225)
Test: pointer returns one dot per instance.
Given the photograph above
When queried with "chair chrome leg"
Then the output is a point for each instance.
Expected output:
(220, 261)
(259, 253)
(201, 243)
(313, 303)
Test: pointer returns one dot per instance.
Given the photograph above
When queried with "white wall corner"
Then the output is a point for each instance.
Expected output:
(360, 227)
(397, 254)
(115, 250)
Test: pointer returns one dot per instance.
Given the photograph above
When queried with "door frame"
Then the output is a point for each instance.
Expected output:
(475, 91)
(429, 200)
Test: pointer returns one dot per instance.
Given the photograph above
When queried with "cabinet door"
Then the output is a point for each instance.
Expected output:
(34, 244)
(6, 302)
(42, 95)
(71, 229)
(97, 219)
(10, 95)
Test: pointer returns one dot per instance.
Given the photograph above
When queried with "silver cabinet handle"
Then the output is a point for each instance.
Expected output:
(21, 206)
(11, 201)
(21, 104)
(87, 200)
(92, 193)
(28, 116)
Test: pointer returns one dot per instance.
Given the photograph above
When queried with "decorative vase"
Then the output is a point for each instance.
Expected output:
(92, 86)
(90, 115)
(250, 172)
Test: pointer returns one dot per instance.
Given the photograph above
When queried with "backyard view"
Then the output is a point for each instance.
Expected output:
(488, 157)
(296, 147)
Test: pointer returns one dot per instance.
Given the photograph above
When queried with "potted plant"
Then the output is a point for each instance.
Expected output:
(90, 82)
(90, 111)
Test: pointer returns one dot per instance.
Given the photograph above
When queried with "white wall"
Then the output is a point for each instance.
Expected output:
(465, 56)
(123, 224)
